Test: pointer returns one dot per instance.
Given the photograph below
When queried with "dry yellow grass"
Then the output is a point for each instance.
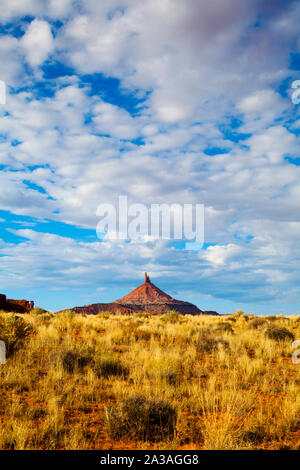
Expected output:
(220, 383)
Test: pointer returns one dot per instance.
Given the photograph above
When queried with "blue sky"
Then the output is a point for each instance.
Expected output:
(163, 101)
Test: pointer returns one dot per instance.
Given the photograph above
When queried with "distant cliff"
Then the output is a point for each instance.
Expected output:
(12, 305)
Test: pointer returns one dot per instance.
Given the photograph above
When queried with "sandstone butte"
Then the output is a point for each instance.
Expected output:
(12, 305)
(145, 298)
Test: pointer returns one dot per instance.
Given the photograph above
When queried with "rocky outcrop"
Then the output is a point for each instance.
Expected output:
(145, 298)
(12, 305)
(2, 301)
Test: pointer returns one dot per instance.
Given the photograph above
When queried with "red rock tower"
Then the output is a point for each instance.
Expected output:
(147, 293)
(145, 298)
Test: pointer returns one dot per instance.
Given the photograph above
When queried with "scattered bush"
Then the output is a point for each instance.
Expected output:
(69, 361)
(279, 334)
(66, 315)
(141, 334)
(224, 327)
(14, 331)
(107, 365)
(239, 313)
(125, 332)
(142, 419)
(172, 316)
(208, 344)
(38, 311)
(72, 360)
(257, 323)
(142, 315)
(255, 435)
(104, 315)
(36, 412)
(45, 318)
(170, 376)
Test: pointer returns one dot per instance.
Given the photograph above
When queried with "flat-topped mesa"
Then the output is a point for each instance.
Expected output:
(12, 305)
(145, 298)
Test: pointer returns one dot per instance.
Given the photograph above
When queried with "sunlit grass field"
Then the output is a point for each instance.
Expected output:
(166, 382)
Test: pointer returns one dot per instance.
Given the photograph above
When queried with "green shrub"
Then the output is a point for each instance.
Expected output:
(232, 318)
(107, 365)
(239, 313)
(224, 327)
(208, 344)
(104, 315)
(142, 315)
(72, 360)
(128, 331)
(14, 331)
(142, 419)
(69, 361)
(46, 317)
(255, 435)
(171, 316)
(38, 311)
(66, 315)
(279, 334)
(257, 323)
(36, 412)
(170, 376)
(141, 334)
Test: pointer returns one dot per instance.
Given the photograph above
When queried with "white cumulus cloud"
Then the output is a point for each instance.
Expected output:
(37, 42)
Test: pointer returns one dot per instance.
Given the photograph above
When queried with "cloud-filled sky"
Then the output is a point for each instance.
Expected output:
(165, 101)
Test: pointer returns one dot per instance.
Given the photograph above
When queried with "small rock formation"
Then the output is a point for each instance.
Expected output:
(2, 301)
(12, 305)
(145, 298)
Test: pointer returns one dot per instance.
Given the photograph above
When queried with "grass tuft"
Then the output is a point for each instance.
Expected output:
(139, 418)
(107, 365)
(279, 334)
(15, 332)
